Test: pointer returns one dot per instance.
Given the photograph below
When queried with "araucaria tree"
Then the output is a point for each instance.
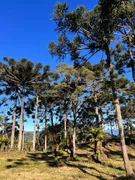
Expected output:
(23, 75)
(92, 32)
(74, 106)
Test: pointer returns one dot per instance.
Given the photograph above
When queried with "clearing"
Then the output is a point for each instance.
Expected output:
(39, 165)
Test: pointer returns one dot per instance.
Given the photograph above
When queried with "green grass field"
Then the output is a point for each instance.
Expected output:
(39, 165)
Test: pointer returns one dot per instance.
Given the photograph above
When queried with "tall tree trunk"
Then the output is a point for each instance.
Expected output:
(3, 132)
(23, 138)
(13, 123)
(74, 131)
(45, 128)
(132, 61)
(51, 114)
(127, 164)
(96, 111)
(74, 141)
(111, 128)
(129, 131)
(102, 120)
(45, 143)
(21, 123)
(65, 126)
(35, 124)
(128, 127)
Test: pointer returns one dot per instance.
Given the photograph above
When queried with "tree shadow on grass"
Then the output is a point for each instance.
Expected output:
(46, 157)
(49, 158)
(11, 160)
(16, 163)
(132, 177)
(82, 155)
(51, 161)
(114, 167)
(112, 154)
(39, 156)
(83, 168)
(61, 160)
(84, 146)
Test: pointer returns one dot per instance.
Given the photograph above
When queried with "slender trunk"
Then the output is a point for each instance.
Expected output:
(129, 127)
(13, 123)
(131, 130)
(23, 138)
(65, 126)
(127, 164)
(96, 112)
(51, 114)
(74, 130)
(111, 128)
(102, 121)
(45, 143)
(74, 141)
(35, 125)
(45, 129)
(96, 154)
(21, 123)
(3, 132)
(95, 146)
(129, 133)
(132, 58)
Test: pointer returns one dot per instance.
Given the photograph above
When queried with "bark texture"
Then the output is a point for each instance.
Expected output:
(127, 164)
(21, 124)
(13, 123)
(74, 141)
(45, 143)
(45, 128)
(35, 125)
(65, 126)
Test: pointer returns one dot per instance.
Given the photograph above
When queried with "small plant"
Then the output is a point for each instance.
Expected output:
(97, 135)
(4, 143)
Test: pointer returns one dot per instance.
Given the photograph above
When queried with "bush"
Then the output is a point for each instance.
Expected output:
(4, 143)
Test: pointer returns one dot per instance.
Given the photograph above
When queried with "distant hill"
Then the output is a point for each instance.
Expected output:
(28, 135)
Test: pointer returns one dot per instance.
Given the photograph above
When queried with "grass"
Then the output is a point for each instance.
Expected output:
(39, 166)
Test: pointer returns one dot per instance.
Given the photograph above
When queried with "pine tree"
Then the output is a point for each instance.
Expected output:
(92, 31)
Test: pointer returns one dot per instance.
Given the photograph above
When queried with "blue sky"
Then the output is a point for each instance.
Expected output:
(26, 30)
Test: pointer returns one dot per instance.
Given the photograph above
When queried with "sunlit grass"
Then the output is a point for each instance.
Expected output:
(38, 166)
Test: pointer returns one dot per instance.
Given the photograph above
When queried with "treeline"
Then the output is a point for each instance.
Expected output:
(77, 102)
(69, 107)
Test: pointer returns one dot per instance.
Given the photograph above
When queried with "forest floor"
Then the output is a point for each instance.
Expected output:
(38, 166)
